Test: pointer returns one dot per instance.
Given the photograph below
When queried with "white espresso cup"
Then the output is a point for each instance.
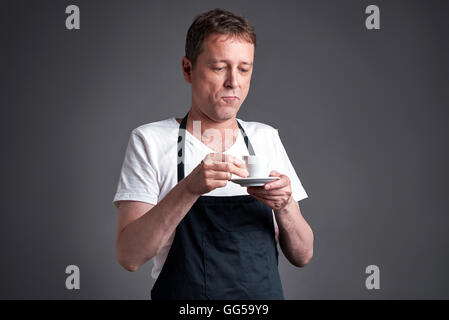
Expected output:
(256, 166)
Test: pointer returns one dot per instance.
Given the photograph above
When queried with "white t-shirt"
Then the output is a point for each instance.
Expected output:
(149, 170)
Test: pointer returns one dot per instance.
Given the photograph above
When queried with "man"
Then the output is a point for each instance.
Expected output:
(210, 238)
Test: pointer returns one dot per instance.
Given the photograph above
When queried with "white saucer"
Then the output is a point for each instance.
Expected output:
(253, 182)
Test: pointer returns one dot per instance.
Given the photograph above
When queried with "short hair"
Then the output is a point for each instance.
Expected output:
(216, 21)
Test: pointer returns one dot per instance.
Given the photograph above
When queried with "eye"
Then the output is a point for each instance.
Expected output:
(218, 68)
(244, 70)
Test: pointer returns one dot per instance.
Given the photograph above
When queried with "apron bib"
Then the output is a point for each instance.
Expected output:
(224, 248)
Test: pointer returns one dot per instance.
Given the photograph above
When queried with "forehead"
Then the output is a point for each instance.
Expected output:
(219, 47)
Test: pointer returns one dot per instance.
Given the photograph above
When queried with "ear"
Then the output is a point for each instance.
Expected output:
(187, 69)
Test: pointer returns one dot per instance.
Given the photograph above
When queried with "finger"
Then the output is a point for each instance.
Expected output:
(219, 184)
(277, 184)
(212, 184)
(241, 172)
(214, 165)
(223, 157)
(230, 167)
(267, 197)
(234, 160)
(219, 175)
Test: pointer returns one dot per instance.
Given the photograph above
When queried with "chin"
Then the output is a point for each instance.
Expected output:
(226, 113)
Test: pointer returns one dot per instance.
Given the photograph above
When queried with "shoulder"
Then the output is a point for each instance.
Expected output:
(156, 129)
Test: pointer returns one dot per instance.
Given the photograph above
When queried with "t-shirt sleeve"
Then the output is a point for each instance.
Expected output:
(138, 178)
(284, 166)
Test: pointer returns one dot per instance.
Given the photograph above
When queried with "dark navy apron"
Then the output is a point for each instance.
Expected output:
(224, 248)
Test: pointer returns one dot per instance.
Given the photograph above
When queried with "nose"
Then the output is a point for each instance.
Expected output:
(232, 80)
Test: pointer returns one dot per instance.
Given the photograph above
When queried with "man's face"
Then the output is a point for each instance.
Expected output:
(221, 76)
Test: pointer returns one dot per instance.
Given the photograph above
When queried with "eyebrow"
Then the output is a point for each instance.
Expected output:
(225, 61)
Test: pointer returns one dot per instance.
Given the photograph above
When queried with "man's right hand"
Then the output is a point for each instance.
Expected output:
(214, 172)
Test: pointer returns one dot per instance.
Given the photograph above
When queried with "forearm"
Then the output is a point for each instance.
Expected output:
(143, 238)
(295, 234)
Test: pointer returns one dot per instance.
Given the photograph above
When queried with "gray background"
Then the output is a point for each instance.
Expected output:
(363, 116)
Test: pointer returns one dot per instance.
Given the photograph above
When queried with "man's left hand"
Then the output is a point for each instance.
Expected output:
(276, 194)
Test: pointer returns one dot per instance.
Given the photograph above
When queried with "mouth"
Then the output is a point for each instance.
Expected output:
(230, 99)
